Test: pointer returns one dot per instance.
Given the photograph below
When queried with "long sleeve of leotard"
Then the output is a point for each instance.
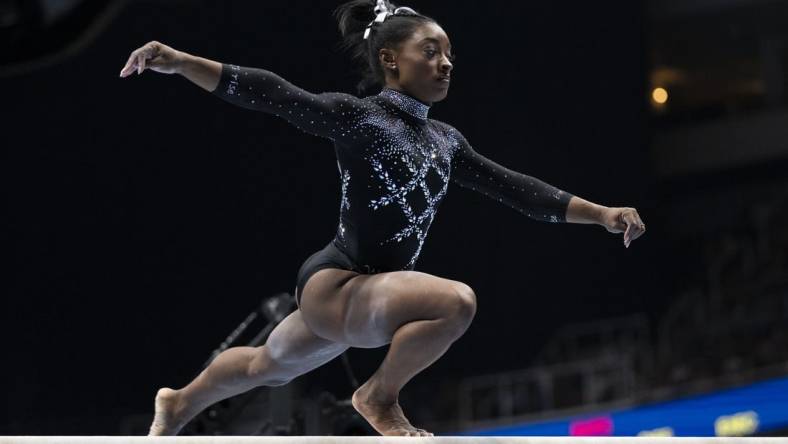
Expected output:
(529, 195)
(330, 114)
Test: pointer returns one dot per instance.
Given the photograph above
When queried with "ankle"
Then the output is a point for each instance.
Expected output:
(374, 393)
(179, 405)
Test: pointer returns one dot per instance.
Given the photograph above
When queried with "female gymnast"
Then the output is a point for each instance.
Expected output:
(395, 164)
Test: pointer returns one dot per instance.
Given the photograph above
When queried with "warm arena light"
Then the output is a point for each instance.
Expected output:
(660, 95)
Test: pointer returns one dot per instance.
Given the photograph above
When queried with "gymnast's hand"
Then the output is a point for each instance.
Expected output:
(626, 220)
(156, 56)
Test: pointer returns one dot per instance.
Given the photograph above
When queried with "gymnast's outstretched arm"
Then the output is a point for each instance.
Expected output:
(529, 195)
(535, 198)
(330, 115)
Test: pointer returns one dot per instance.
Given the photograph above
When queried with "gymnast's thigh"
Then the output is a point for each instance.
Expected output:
(293, 345)
(364, 310)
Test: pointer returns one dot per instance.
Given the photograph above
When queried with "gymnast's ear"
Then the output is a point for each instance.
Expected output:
(388, 58)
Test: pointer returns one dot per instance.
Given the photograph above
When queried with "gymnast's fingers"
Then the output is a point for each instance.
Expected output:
(627, 234)
(131, 64)
(641, 227)
(633, 226)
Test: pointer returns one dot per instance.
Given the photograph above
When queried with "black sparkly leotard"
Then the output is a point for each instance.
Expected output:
(395, 166)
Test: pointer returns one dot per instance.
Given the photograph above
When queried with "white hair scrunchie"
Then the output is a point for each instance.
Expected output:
(382, 12)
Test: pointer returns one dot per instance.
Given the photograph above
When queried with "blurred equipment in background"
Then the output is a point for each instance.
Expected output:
(756, 409)
(38, 33)
(282, 410)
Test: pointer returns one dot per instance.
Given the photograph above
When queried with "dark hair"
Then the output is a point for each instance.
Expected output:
(353, 18)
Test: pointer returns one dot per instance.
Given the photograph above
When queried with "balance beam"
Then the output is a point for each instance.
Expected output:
(383, 439)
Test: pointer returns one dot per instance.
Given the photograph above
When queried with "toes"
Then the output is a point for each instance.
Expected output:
(418, 432)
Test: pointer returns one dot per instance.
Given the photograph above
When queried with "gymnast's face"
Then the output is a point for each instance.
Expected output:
(421, 63)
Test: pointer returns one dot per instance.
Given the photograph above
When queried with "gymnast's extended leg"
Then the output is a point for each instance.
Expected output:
(291, 350)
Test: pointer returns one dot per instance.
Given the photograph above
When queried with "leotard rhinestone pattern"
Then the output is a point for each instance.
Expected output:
(395, 164)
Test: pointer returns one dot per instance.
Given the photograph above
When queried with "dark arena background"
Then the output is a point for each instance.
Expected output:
(149, 225)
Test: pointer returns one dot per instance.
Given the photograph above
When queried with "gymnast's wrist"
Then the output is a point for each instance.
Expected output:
(581, 211)
(200, 71)
(599, 214)
(182, 62)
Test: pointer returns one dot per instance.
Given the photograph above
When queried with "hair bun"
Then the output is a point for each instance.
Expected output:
(354, 25)
(406, 10)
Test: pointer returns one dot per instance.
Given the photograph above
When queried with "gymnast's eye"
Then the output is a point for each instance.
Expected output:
(431, 53)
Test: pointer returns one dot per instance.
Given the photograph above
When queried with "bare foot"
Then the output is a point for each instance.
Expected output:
(385, 417)
(168, 417)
